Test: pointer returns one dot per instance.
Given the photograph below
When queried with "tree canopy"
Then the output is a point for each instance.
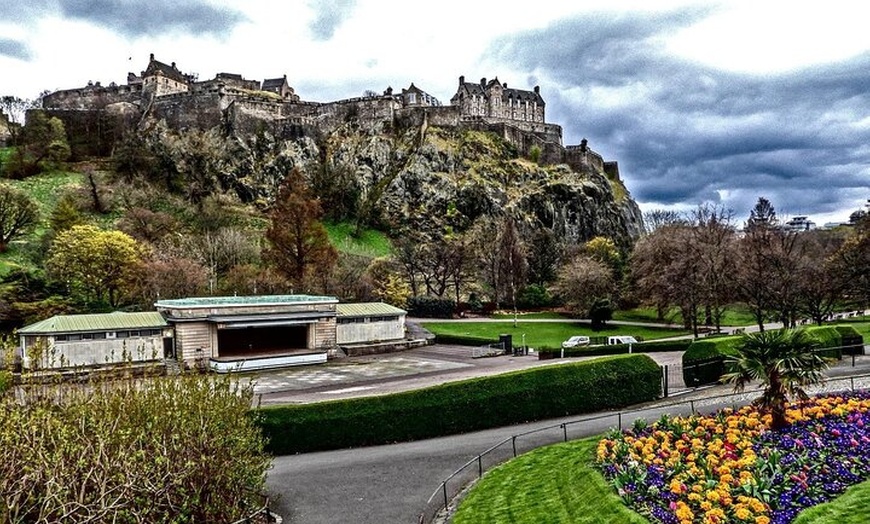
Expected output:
(97, 263)
(18, 215)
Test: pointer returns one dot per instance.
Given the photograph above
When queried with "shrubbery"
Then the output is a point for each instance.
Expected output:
(182, 449)
(704, 361)
(431, 307)
(468, 405)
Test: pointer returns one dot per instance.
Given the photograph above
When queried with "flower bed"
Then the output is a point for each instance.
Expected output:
(729, 467)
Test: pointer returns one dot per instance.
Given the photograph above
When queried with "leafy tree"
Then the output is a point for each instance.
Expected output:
(784, 362)
(65, 214)
(763, 215)
(14, 109)
(298, 243)
(98, 263)
(18, 215)
(42, 145)
(387, 283)
(600, 312)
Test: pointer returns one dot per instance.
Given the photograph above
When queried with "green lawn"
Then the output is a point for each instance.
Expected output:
(46, 189)
(555, 484)
(370, 243)
(852, 507)
(558, 484)
(533, 314)
(543, 334)
(734, 315)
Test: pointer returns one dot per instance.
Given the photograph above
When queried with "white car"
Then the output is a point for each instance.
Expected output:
(577, 340)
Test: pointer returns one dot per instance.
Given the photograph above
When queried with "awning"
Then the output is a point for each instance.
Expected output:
(263, 323)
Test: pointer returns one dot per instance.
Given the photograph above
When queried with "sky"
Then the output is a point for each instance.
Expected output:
(700, 102)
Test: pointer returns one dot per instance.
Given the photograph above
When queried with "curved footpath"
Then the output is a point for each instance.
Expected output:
(391, 484)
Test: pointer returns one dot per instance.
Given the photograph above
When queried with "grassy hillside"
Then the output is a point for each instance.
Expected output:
(370, 243)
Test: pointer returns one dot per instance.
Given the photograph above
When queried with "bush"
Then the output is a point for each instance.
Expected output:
(182, 449)
(704, 360)
(431, 307)
(534, 296)
(463, 340)
(851, 340)
(458, 407)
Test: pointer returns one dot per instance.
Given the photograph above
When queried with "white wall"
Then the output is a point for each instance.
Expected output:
(358, 333)
(96, 352)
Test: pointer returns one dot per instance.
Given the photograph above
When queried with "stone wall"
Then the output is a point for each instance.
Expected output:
(95, 132)
(362, 332)
(93, 97)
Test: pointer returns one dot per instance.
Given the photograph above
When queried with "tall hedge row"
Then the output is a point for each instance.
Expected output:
(462, 406)
(704, 361)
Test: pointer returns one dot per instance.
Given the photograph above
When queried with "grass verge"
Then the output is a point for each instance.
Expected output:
(555, 484)
(543, 334)
(852, 507)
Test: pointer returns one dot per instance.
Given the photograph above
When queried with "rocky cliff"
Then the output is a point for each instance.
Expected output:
(428, 178)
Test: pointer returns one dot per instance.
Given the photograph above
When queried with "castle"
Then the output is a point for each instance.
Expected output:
(96, 116)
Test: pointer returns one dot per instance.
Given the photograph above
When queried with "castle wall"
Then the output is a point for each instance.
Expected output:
(92, 97)
(582, 161)
(189, 111)
(94, 132)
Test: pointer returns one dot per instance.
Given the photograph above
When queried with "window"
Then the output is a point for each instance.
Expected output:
(87, 336)
(99, 336)
(134, 333)
(74, 338)
(58, 338)
(122, 334)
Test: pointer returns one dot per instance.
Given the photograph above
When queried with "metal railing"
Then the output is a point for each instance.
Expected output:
(510, 447)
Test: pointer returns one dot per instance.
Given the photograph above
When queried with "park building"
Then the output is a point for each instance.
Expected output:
(221, 333)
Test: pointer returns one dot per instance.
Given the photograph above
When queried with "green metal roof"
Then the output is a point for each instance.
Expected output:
(367, 309)
(96, 322)
(242, 301)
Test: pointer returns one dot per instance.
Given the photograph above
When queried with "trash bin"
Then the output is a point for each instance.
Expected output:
(506, 343)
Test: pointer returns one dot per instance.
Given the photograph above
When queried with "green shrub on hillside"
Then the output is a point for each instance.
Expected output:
(463, 406)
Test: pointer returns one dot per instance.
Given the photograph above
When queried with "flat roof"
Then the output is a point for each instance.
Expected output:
(254, 300)
(95, 322)
(367, 309)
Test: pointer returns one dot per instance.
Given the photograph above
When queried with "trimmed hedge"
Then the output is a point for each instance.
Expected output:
(431, 307)
(615, 349)
(704, 361)
(700, 360)
(457, 407)
(851, 339)
(463, 340)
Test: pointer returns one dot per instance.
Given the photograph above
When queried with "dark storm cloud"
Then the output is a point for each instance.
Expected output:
(686, 133)
(14, 49)
(329, 15)
(132, 17)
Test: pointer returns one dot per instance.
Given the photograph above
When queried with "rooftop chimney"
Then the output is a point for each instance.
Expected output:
(538, 90)
(152, 57)
(461, 80)
(483, 81)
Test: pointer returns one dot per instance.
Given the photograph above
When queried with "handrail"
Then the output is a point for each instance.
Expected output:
(441, 490)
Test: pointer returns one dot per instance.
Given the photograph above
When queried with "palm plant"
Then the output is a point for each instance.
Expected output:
(783, 360)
